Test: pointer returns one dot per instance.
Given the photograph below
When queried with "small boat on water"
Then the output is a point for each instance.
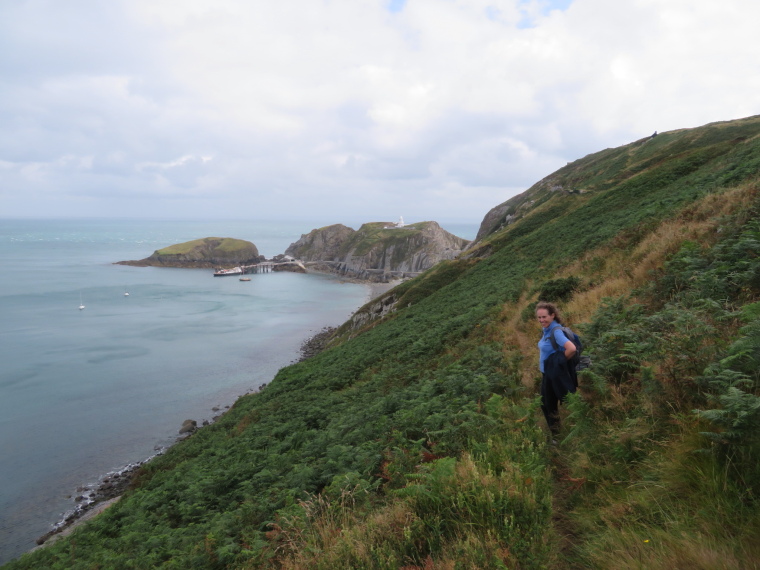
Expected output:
(81, 305)
(224, 272)
(245, 278)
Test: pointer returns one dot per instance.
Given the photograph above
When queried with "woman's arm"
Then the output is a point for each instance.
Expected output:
(569, 347)
(570, 350)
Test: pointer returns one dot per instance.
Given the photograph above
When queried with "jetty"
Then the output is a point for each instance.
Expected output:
(262, 267)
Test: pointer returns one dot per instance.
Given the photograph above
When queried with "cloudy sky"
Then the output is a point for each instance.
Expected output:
(345, 109)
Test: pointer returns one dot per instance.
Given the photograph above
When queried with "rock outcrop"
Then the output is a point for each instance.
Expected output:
(210, 252)
(496, 218)
(378, 251)
(322, 244)
(562, 182)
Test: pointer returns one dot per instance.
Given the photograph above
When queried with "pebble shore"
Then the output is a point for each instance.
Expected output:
(93, 499)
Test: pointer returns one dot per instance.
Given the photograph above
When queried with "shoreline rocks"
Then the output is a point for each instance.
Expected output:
(91, 499)
(316, 344)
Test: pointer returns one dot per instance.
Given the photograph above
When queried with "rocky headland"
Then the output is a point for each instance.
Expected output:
(210, 252)
(377, 251)
(517, 207)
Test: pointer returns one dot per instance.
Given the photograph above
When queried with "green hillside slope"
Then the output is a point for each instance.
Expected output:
(415, 441)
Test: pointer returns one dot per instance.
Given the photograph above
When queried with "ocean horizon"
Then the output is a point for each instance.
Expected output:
(88, 392)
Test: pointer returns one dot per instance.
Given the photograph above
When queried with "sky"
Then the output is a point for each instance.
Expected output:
(345, 109)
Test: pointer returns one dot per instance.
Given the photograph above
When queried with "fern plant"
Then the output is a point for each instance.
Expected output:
(735, 437)
(738, 418)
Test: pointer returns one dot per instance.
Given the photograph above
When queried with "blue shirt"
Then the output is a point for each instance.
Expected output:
(545, 347)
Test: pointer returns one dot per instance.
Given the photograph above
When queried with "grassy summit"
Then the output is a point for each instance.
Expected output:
(218, 244)
(416, 441)
(205, 252)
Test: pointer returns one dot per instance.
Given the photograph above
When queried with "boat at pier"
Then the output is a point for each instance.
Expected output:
(233, 271)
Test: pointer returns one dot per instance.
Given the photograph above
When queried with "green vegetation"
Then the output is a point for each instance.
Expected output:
(418, 442)
(372, 234)
(218, 245)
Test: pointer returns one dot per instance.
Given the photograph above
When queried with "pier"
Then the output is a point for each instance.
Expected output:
(263, 267)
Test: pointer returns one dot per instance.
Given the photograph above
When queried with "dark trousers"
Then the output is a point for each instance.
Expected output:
(552, 393)
(550, 403)
(558, 381)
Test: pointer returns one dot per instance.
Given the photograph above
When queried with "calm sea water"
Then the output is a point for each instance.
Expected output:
(86, 392)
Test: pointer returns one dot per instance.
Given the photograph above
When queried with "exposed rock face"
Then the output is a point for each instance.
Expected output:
(380, 307)
(322, 244)
(377, 251)
(210, 252)
(518, 206)
(496, 218)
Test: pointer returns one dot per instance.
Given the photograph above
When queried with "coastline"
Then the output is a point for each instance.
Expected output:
(91, 500)
(378, 289)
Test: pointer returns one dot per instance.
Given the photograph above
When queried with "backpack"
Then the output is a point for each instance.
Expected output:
(579, 361)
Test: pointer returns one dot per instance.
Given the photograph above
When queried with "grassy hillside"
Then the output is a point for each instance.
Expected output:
(418, 442)
(374, 233)
(227, 245)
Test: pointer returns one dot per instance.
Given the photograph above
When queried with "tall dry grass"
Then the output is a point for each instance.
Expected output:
(681, 516)
(626, 270)
(481, 506)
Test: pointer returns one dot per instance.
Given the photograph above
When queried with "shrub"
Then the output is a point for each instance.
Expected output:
(559, 290)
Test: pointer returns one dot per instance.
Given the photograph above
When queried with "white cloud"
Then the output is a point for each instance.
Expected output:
(357, 109)
(185, 172)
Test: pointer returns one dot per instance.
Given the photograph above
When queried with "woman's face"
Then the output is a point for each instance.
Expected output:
(544, 318)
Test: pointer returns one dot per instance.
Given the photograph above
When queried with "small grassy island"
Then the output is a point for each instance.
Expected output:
(210, 252)
(415, 440)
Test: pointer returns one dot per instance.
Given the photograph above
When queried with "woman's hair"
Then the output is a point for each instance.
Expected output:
(552, 309)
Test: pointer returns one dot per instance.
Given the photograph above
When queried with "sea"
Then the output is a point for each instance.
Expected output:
(87, 392)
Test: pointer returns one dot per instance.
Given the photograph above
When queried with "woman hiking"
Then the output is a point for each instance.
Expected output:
(558, 375)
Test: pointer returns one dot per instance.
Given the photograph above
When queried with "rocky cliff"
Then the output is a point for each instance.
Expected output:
(562, 182)
(210, 252)
(378, 251)
(322, 244)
